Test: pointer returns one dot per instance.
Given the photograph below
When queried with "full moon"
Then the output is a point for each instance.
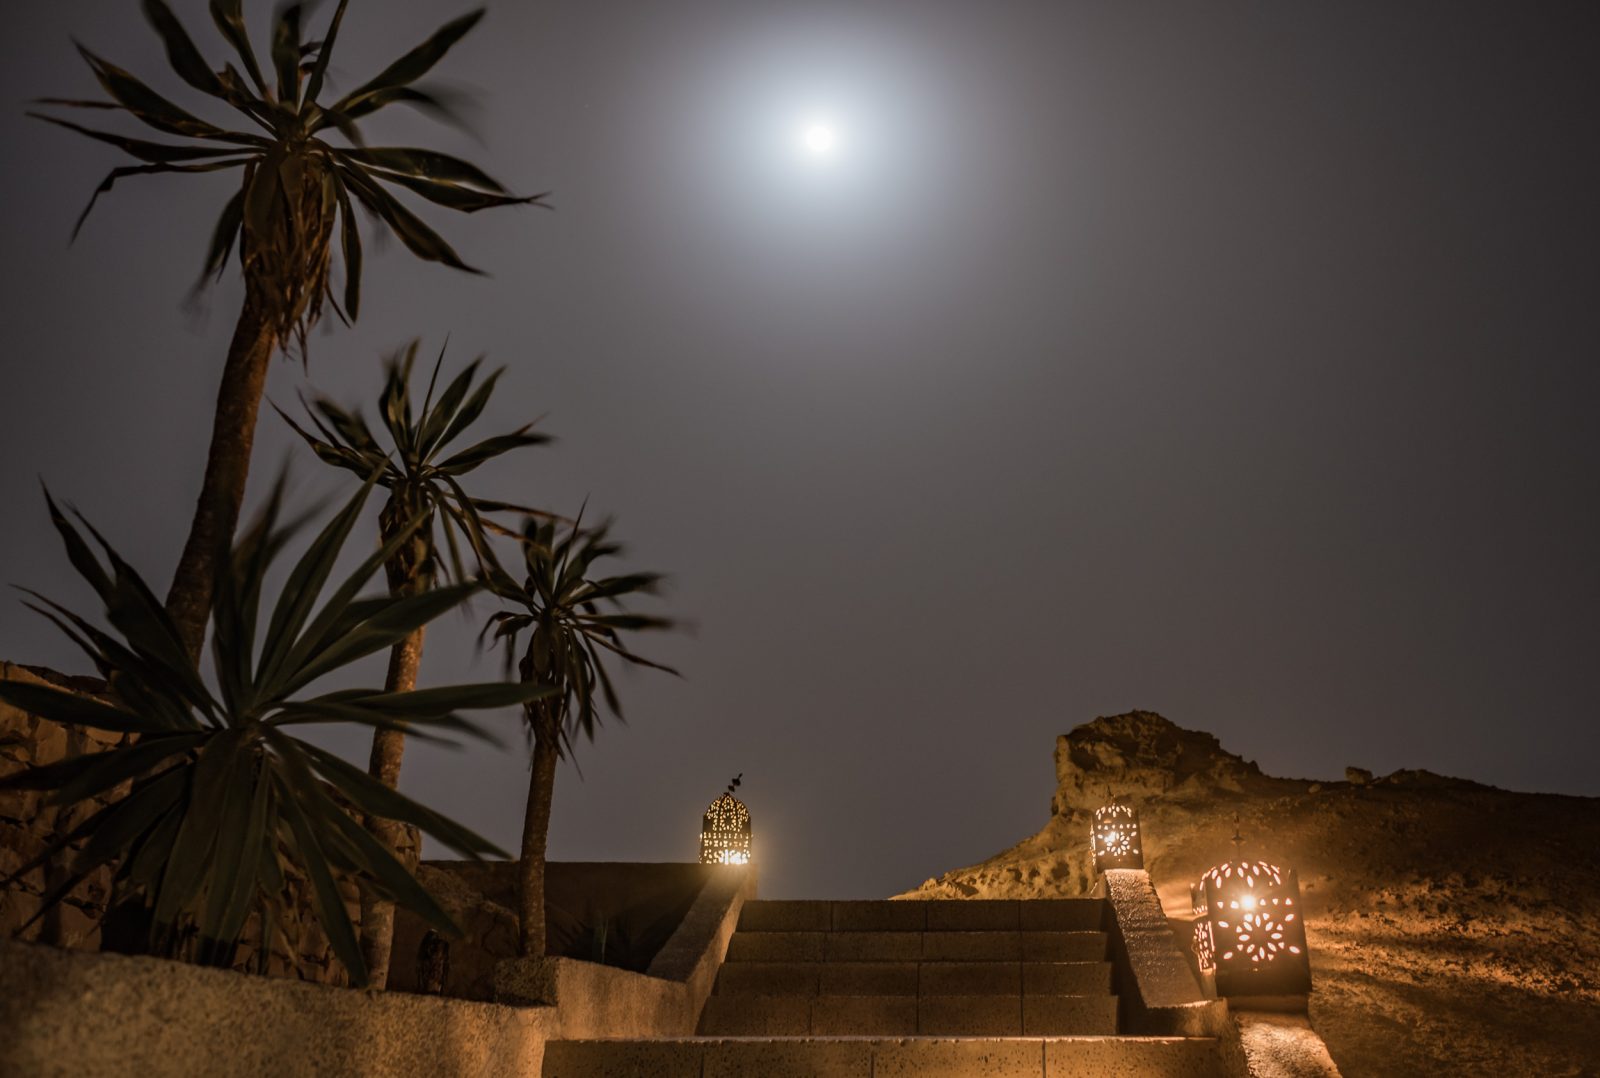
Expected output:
(818, 139)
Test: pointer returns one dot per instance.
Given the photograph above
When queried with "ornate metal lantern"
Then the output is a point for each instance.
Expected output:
(1115, 838)
(1250, 933)
(725, 832)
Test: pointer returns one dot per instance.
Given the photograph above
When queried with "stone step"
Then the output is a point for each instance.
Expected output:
(914, 978)
(896, 1016)
(943, 915)
(887, 946)
(883, 1057)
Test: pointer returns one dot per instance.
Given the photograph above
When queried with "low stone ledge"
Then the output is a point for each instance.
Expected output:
(1283, 1046)
(65, 1013)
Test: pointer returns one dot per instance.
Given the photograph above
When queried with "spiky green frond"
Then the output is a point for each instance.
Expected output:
(421, 464)
(576, 621)
(297, 186)
(225, 798)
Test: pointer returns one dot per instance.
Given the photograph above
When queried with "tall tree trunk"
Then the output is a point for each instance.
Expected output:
(233, 429)
(535, 838)
(406, 572)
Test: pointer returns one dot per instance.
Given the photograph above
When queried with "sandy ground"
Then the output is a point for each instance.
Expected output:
(1454, 928)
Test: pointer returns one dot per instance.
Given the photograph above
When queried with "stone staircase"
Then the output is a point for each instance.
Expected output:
(872, 989)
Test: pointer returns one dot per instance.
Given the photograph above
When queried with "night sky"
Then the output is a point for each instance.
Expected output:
(1236, 362)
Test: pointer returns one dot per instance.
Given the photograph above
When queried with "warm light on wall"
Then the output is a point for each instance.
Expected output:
(725, 831)
(1115, 838)
(1251, 933)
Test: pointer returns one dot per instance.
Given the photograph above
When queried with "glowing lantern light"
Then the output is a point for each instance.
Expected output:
(725, 832)
(1251, 934)
(1115, 838)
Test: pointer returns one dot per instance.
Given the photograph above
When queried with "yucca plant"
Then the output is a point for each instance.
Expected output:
(225, 801)
(575, 623)
(422, 470)
(296, 188)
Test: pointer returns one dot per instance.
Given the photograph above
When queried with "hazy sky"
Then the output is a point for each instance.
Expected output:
(1232, 361)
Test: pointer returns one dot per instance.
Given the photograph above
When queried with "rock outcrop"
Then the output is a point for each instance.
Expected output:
(1141, 755)
(1454, 927)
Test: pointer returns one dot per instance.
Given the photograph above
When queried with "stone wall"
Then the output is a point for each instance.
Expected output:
(77, 1015)
(28, 825)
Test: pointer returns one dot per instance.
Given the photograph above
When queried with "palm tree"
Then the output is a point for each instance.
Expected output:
(226, 803)
(575, 624)
(295, 189)
(424, 483)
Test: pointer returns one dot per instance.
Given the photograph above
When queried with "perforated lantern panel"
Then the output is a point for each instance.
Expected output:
(1257, 936)
(1115, 838)
(725, 833)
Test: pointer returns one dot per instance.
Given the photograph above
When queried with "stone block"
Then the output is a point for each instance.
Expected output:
(607, 1059)
(785, 916)
(869, 979)
(932, 1058)
(784, 1059)
(776, 947)
(756, 1016)
(1063, 915)
(1133, 1057)
(874, 946)
(49, 743)
(768, 978)
(1069, 1016)
(972, 946)
(974, 915)
(1063, 946)
(970, 979)
(970, 1016)
(1066, 978)
(78, 925)
(908, 916)
(857, 1016)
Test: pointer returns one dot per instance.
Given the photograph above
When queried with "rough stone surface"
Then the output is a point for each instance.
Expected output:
(65, 1013)
(1161, 977)
(1462, 914)
(1283, 1046)
(73, 1015)
(881, 1057)
(29, 824)
(1135, 1057)
(931, 1058)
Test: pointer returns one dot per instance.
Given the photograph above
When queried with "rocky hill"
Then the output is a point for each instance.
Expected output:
(1454, 927)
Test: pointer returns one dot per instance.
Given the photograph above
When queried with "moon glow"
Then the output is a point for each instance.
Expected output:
(818, 139)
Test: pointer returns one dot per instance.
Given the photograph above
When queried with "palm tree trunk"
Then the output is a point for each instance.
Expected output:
(535, 838)
(388, 750)
(216, 513)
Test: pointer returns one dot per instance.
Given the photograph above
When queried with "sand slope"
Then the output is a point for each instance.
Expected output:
(1454, 927)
